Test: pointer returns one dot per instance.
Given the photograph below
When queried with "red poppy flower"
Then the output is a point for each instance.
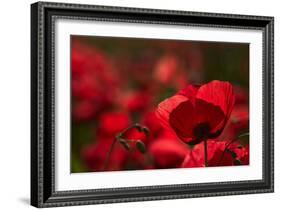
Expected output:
(219, 154)
(198, 112)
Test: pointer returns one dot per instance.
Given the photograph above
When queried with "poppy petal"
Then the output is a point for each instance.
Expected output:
(166, 107)
(207, 113)
(218, 93)
(183, 120)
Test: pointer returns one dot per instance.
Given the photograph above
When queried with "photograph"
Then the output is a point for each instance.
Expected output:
(150, 104)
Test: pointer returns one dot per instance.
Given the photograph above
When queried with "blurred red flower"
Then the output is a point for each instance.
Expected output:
(198, 112)
(238, 122)
(241, 95)
(83, 110)
(137, 101)
(111, 123)
(170, 71)
(167, 151)
(166, 68)
(241, 152)
(91, 72)
(94, 155)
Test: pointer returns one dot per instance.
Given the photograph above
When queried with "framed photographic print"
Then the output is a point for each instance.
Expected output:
(133, 104)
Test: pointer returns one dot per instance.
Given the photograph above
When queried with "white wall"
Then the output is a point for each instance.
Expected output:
(15, 103)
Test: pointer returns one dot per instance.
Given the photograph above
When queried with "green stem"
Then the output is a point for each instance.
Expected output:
(109, 154)
(118, 138)
(206, 152)
(149, 159)
(136, 125)
(242, 135)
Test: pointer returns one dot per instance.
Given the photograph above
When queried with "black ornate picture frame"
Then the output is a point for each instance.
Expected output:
(43, 104)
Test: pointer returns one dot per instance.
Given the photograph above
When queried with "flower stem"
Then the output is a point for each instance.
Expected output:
(109, 154)
(119, 137)
(149, 159)
(136, 125)
(206, 152)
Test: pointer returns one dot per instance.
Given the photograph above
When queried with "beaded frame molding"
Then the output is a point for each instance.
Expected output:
(43, 17)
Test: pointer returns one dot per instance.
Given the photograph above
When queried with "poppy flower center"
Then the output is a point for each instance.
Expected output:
(202, 130)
